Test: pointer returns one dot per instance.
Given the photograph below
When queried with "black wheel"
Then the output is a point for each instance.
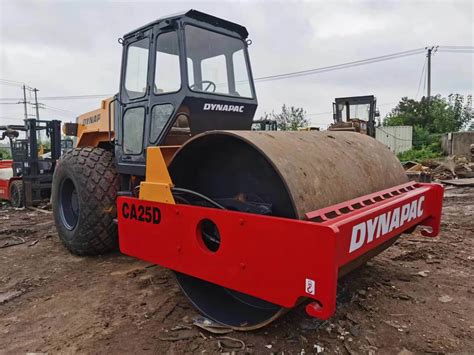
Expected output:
(16, 193)
(84, 191)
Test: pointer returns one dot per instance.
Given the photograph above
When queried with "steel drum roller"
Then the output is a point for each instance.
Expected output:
(294, 172)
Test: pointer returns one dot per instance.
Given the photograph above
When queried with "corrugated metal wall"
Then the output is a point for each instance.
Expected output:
(397, 138)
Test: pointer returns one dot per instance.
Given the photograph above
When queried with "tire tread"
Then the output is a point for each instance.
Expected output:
(97, 183)
(17, 184)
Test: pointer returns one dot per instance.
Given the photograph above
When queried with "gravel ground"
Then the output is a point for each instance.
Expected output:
(418, 296)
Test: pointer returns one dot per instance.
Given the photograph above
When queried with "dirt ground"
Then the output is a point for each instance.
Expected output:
(418, 296)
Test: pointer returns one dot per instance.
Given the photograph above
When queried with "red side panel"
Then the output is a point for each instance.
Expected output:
(4, 164)
(5, 179)
(275, 259)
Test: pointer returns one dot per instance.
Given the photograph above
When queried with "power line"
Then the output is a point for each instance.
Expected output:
(11, 82)
(341, 66)
(457, 47)
(57, 109)
(325, 69)
(456, 51)
(43, 106)
(421, 77)
(453, 49)
(76, 97)
(397, 138)
(71, 97)
(424, 82)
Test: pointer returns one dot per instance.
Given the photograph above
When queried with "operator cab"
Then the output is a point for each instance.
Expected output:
(181, 75)
(357, 113)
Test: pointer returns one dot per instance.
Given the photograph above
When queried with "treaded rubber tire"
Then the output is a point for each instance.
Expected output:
(93, 174)
(16, 189)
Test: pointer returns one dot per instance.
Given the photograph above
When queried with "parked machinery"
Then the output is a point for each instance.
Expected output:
(264, 125)
(26, 179)
(252, 222)
(356, 113)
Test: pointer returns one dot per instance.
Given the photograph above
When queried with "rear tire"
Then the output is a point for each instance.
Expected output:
(84, 192)
(16, 194)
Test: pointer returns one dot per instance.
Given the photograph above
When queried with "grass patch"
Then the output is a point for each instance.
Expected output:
(419, 155)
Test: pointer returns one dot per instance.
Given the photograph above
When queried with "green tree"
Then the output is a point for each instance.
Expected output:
(462, 109)
(5, 153)
(431, 118)
(289, 119)
(438, 115)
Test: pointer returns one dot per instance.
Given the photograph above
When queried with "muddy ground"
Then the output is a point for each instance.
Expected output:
(418, 296)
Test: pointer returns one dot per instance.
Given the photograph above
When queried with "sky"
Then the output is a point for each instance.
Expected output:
(70, 48)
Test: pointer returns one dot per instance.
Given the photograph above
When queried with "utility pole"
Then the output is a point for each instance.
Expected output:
(429, 54)
(36, 103)
(24, 102)
(429, 73)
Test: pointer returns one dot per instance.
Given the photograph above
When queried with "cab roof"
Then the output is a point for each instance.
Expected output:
(199, 16)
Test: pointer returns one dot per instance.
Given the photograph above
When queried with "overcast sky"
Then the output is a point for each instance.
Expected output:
(70, 48)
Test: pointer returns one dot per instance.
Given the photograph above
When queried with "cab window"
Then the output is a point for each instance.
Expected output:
(133, 126)
(167, 69)
(219, 63)
(159, 116)
(137, 69)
